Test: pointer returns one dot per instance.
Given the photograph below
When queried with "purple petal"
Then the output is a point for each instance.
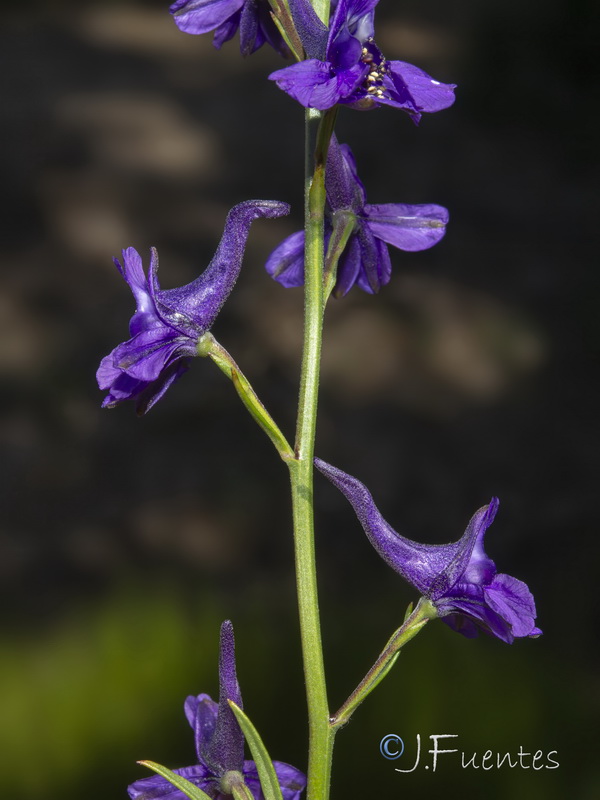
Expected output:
(469, 545)
(148, 353)
(201, 713)
(513, 601)
(427, 94)
(201, 16)
(353, 17)
(408, 227)
(344, 51)
(286, 262)
(119, 385)
(348, 268)
(226, 31)
(369, 257)
(384, 268)
(315, 85)
(107, 373)
(291, 780)
(153, 392)
(159, 787)
(467, 617)
(462, 624)
(357, 9)
(133, 273)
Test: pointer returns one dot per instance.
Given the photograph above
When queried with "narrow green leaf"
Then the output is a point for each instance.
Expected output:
(185, 786)
(260, 413)
(264, 765)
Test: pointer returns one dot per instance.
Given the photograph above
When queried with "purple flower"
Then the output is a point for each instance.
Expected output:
(459, 578)
(345, 65)
(365, 260)
(224, 17)
(168, 323)
(219, 743)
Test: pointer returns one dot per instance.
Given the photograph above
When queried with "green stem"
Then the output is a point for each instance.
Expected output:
(208, 346)
(301, 468)
(411, 626)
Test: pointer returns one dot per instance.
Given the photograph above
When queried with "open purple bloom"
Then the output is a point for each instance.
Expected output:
(365, 260)
(219, 743)
(459, 578)
(168, 323)
(345, 65)
(224, 17)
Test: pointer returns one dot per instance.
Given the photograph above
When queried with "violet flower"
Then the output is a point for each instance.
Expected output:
(224, 17)
(168, 323)
(459, 578)
(219, 744)
(345, 65)
(365, 260)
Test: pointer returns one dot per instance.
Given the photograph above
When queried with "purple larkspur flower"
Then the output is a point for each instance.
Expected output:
(344, 65)
(224, 17)
(168, 323)
(458, 578)
(365, 260)
(219, 743)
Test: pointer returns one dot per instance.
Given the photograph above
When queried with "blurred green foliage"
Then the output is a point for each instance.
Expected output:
(83, 701)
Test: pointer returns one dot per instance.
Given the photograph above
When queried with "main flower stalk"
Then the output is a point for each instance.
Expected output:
(301, 468)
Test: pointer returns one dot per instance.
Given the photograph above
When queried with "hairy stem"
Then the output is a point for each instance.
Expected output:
(411, 626)
(301, 468)
(208, 346)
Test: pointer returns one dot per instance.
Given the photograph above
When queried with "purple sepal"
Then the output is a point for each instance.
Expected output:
(291, 780)
(202, 16)
(407, 227)
(224, 17)
(226, 31)
(313, 84)
(459, 578)
(157, 787)
(426, 94)
(167, 323)
(286, 262)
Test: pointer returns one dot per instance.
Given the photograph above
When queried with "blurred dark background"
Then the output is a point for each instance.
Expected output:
(125, 542)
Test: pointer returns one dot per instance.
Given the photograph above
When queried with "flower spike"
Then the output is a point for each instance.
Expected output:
(219, 744)
(459, 578)
(168, 323)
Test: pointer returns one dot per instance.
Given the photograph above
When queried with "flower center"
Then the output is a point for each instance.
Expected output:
(378, 68)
